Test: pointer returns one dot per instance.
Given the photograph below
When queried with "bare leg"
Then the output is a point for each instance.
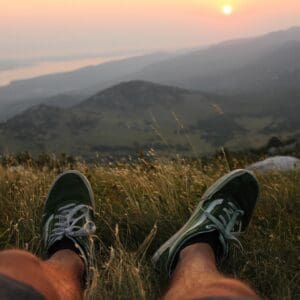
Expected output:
(60, 277)
(197, 277)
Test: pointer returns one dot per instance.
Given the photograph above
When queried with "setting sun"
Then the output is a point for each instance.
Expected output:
(227, 10)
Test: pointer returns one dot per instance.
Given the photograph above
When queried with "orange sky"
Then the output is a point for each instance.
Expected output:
(58, 27)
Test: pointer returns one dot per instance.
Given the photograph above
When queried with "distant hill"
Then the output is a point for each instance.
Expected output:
(81, 83)
(235, 94)
(277, 70)
(241, 66)
(138, 115)
(8, 110)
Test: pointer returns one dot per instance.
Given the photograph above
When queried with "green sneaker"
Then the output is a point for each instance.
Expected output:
(226, 209)
(69, 214)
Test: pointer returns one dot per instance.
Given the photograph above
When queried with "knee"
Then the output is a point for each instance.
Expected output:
(16, 257)
(28, 269)
(231, 287)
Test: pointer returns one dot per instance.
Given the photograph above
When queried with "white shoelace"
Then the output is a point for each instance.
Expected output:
(225, 227)
(66, 224)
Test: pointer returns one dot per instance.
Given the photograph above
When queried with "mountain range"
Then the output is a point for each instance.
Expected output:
(138, 115)
(241, 66)
(76, 85)
(235, 94)
(264, 63)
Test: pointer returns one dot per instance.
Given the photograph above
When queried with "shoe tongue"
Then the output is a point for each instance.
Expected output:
(63, 244)
(214, 204)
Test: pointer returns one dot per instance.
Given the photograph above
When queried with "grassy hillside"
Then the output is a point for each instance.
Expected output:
(139, 205)
(142, 115)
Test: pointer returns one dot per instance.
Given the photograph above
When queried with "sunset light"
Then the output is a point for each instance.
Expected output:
(152, 100)
(227, 10)
(52, 28)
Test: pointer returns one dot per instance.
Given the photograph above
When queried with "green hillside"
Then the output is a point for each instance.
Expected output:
(137, 115)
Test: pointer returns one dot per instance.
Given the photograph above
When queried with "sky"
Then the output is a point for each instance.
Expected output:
(43, 28)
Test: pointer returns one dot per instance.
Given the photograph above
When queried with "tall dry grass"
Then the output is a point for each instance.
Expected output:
(140, 205)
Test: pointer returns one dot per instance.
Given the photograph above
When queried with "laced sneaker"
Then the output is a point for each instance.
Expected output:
(224, 212)
(68, 216)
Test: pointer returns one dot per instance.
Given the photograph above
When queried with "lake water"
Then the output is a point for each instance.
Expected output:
(45, 68)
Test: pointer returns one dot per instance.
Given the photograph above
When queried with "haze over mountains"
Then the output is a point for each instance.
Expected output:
(234, 66)
(227, 67)
(79, 84)
(234, 94)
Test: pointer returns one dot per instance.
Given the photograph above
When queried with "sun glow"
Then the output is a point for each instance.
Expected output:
(227, 10)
